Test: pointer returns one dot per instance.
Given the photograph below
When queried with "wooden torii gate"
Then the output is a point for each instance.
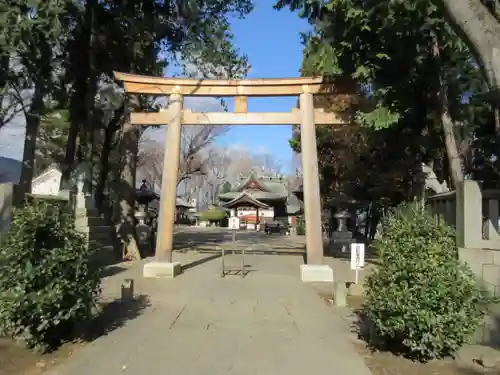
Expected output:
(175, 116)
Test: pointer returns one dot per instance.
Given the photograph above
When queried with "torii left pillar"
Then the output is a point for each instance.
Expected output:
(163, 266)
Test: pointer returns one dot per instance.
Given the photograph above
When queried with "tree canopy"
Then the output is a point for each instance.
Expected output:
(418, 99)
(56, 63)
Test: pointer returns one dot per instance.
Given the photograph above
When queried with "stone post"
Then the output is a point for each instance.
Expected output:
(469, 218)
(163, 266)
(469, 223)
(84, 197)
(314, 271)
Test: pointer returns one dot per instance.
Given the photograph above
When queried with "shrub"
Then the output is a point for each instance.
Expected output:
(213, 215)
(301, 226)
(421, 301)
(47, 282)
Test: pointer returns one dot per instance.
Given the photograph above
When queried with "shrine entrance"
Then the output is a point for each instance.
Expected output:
(175, 116)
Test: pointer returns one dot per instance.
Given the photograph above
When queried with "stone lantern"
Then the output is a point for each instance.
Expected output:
(345, 209)
(145, 228)
(144, 196)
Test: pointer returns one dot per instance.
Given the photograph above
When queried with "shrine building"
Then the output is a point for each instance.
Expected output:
(257, 200)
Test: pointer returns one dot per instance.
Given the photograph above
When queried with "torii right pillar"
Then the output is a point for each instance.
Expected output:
(314, 270)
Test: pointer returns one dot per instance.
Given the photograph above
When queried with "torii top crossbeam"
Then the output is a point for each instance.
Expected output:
(138, 84)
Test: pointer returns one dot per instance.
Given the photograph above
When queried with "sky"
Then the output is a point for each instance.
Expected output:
(271, 39)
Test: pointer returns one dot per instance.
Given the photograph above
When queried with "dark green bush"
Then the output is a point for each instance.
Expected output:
(421, 301)
(301, 226)
(47, 281)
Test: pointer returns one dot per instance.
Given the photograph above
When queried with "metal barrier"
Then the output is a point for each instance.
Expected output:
(244, 248)
(231, 249)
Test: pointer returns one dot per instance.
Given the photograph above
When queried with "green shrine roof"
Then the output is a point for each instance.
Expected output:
(244, 197)
(260, 188)
(260, 191)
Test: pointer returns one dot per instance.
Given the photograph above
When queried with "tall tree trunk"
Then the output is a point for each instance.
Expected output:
(32, 125)
(481, 31)
(104, 162)
(74, 129)
(103, 173)
(443, 115)
(83, 90)
(4, 71)
(126, 228)
(454, 161)
(4, 84)
(88, 126)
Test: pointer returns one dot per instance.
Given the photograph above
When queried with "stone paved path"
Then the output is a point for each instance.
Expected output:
(268, 323)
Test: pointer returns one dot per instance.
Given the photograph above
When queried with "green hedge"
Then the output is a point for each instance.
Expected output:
(421, 300)
(213, 215)
(47, 281)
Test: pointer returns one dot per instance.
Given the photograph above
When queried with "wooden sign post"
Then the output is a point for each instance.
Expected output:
(234, 224)
(357, 259)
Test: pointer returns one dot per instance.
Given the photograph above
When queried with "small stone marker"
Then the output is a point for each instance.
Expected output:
(339, 294)
(127, 294)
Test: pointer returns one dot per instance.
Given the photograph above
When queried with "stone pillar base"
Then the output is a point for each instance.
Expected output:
(316, 273)
(340, 294)
(356, 290)
(84, 201)
(162, 270)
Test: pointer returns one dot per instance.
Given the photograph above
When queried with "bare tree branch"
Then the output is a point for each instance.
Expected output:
(223, 165)
(194, 153)
(219, 163)
(13, 101)
(150, 160)
(267, 164)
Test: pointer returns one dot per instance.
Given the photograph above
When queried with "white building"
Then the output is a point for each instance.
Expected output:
(48, 182)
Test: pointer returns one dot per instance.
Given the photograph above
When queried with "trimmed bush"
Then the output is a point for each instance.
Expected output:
(213, 215)
(421, 301)
(47, 281)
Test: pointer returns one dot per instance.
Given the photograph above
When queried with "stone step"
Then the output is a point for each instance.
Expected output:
(94, 229)
(86, 212)
(85, 221)
(101, 240)
(103, 247)
(100, 237)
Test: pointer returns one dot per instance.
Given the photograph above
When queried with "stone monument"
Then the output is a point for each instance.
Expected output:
(143, 196)
(81, 179)
(342, 238)
(88, 220)
(432, 182)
